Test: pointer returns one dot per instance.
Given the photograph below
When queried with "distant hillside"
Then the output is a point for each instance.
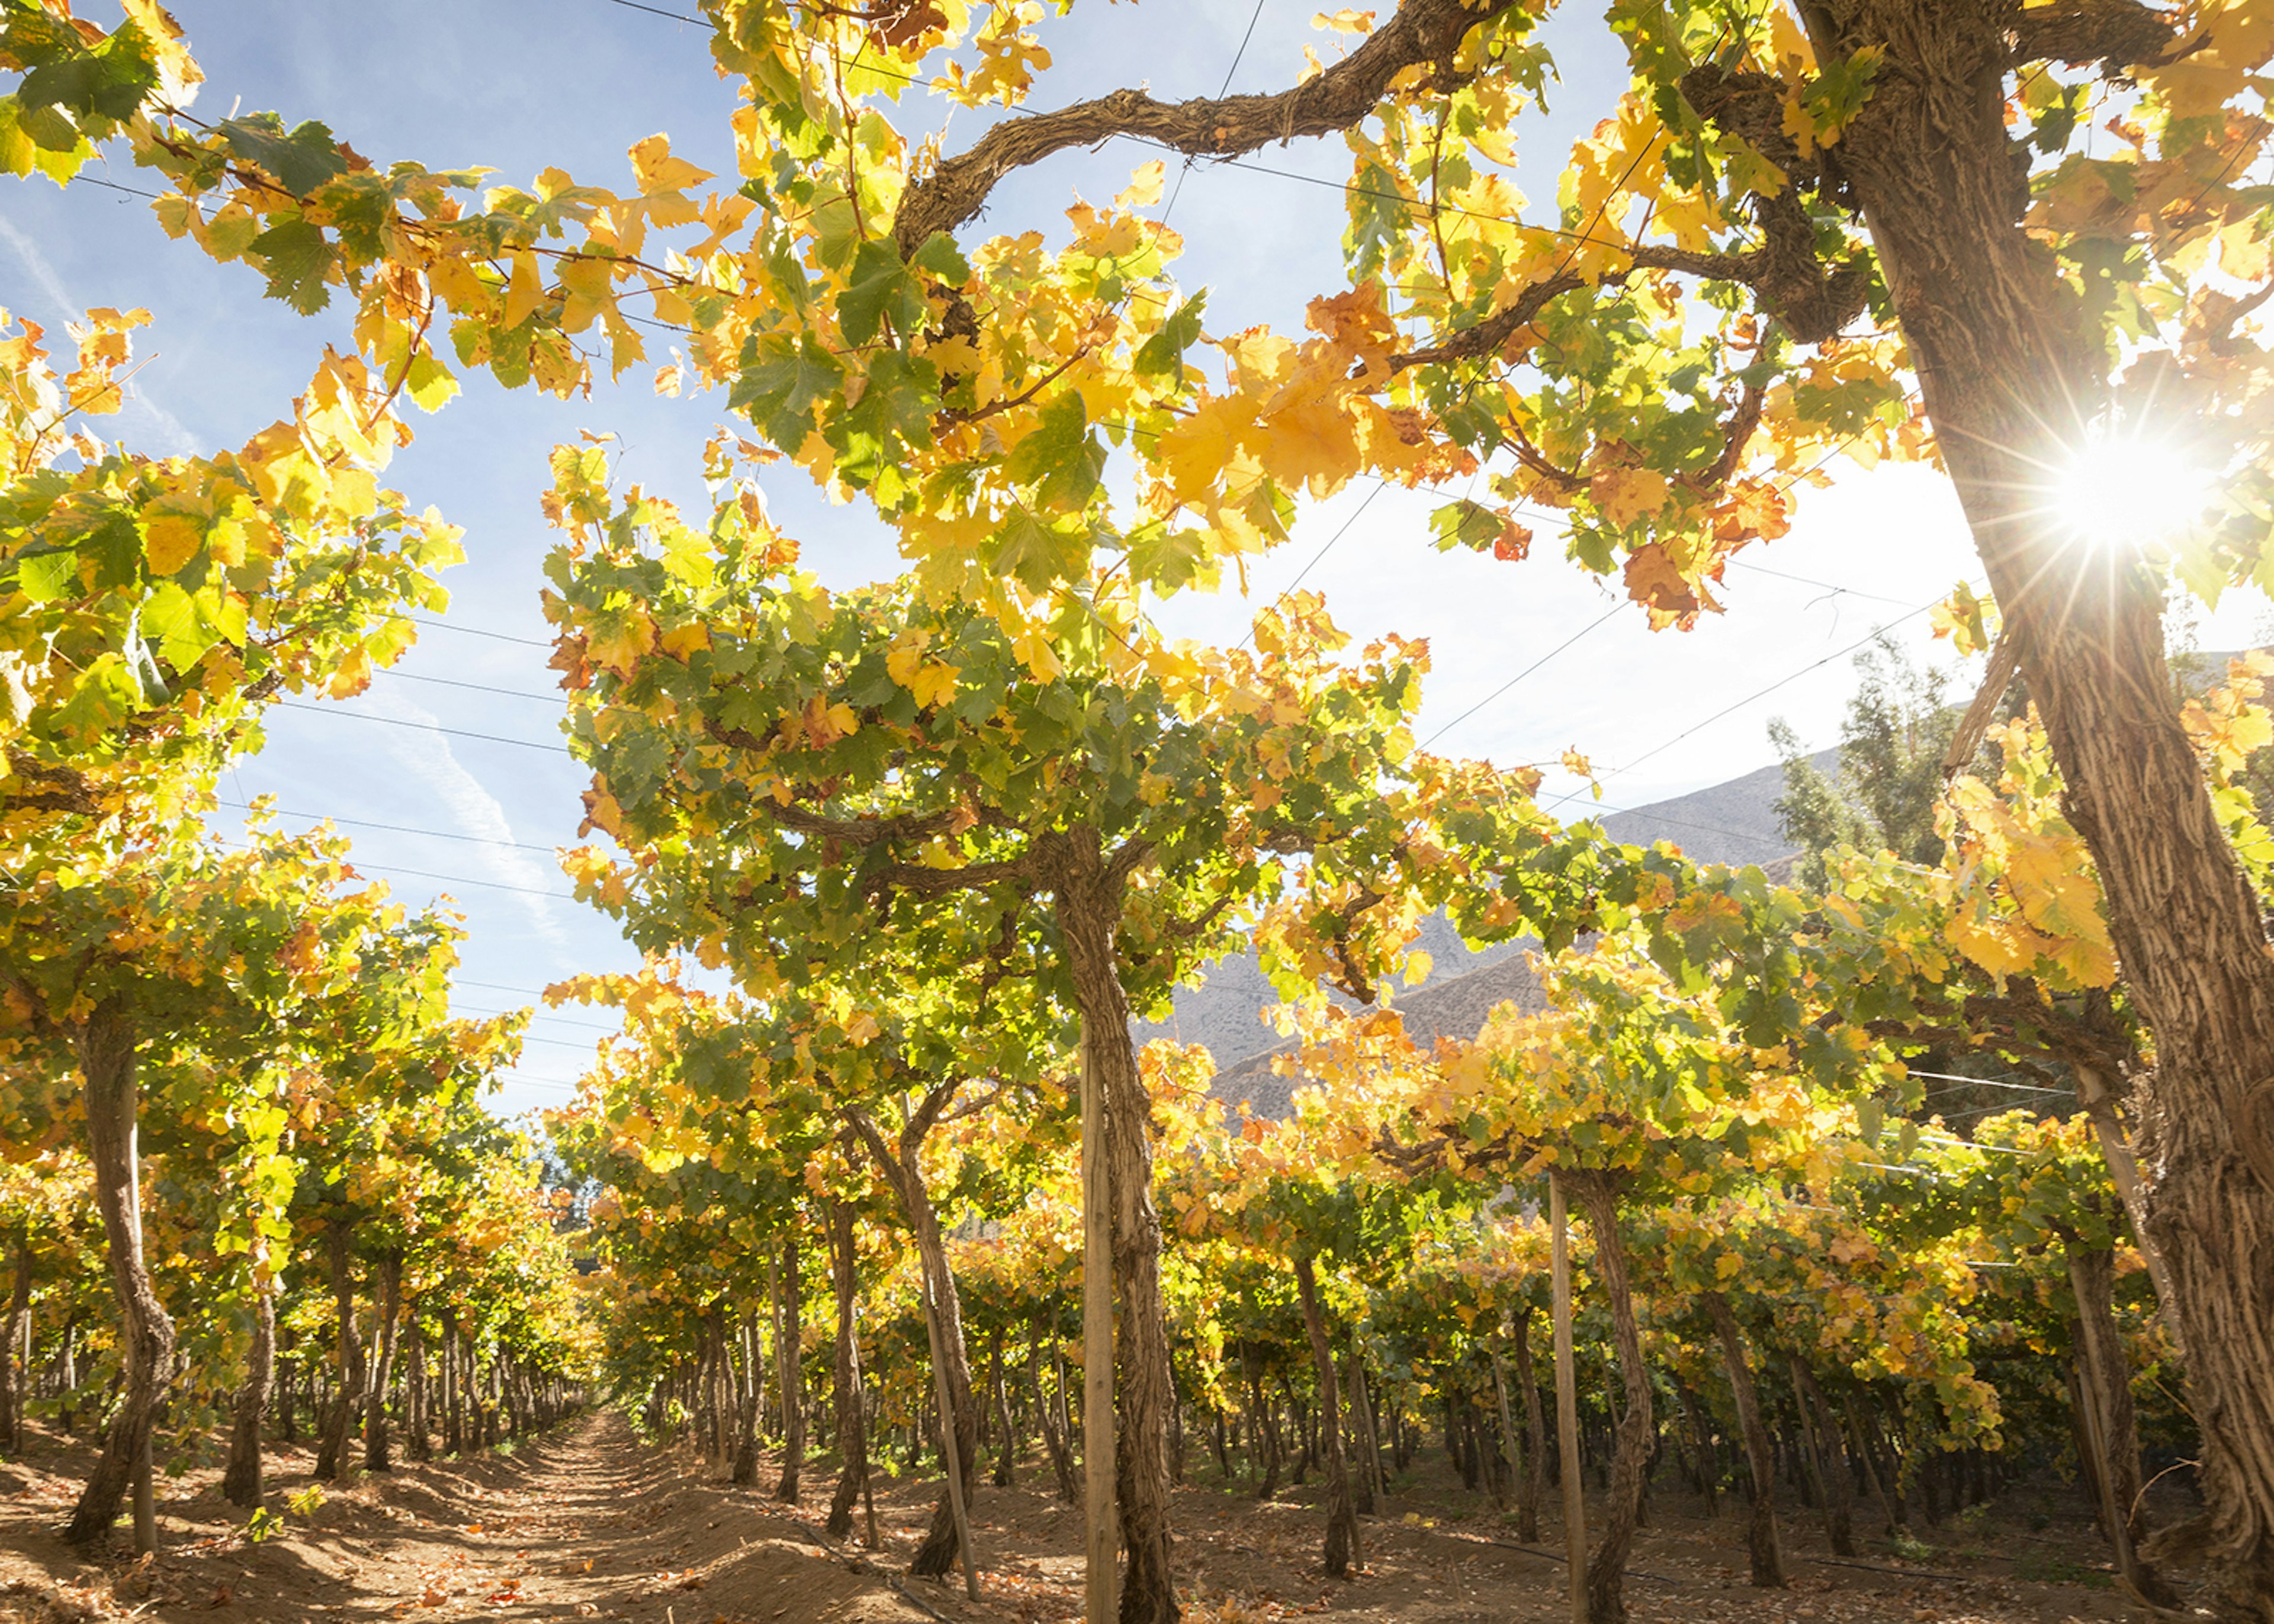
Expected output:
(1439, 1008)
(1733, 823)
(1226, 1010)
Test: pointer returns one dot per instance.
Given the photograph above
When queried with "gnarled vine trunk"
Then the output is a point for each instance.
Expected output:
(15, 1363)
(789, 1332)
(1839, 1486)
(1087, 891)
(852, 1415)
(746, 1416)
(107, 1046)
(1766, 1561)
(2010, 372)
(418, 1436)
(240, 1480)
(2104, 1379)
(1533, 1488)
(1638, 1428)
(332, 1460)
(1006, 1446)
(1054, 1440)
(1342, 1546)
(377, 1456)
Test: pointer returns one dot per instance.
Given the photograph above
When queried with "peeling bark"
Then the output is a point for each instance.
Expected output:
(106, 1048)
(2011, 376)
(1420, 33)
(15, 1367)
(377, 1455)
(1087, 891)
(1768, 1561)
(788, 1335)
(2104, 1385)
(240, 1480)
(1342, 1547)
(1532, 1487)
(1839, 1486)
(902, 1171)
(1054, 1441)
(332, 1453)
(1637, 1428)
(852, 1411)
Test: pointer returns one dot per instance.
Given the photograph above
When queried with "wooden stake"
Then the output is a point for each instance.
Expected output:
(1101, 1546)
(1566, 1402)
(145, 1502)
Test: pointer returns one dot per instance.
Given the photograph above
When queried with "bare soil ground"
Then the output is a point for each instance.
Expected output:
(589, 1523)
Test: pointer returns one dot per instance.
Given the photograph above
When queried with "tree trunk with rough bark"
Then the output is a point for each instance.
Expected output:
(1533, 1487)
(1637, 1426)
(332, 1460)
(1761, 1456)
(2011, 374)
(15, 1360)
(1007, 1446)
(240, 1480)
(1263, 1431)
(1367, 1488)
(1054, 1440)
(902, 1171)
(1088, 892)
(106, 1048)
(418, 1424)
(2111, 1428)
(453, 1414)
(1342, 1546)
(377, 1456)
(746, 1416)
(1839, 1485)
(852, 1412)
(789, 1333)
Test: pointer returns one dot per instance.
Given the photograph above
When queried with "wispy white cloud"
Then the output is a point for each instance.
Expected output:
(472, 810)
(174, 439)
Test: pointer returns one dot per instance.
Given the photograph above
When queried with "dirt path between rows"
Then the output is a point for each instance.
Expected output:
(586, 1523)
(589, 1523)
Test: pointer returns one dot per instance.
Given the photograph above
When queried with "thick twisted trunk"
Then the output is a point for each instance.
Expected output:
(1534, 1486)
(1637, 1426)
(903, 1172)
(106, 1058)
(2104, 1378)
(418, 1441)
(332, 1460)
(1342, 1546)
(376, 1454)
(454, 1415)
(1089, 909)
(15, 1360)
(240, 1480)
(789, 1332)
(2009, 373)
(1007, 1446)
(746, 1393)
(1054, 1440)
(1761, 1457)
(1839, 1486)
(851, 1416)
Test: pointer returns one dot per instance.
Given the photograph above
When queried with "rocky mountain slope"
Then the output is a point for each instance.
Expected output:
(1730, 822)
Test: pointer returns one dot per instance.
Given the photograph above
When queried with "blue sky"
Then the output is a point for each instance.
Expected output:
(521, 85)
